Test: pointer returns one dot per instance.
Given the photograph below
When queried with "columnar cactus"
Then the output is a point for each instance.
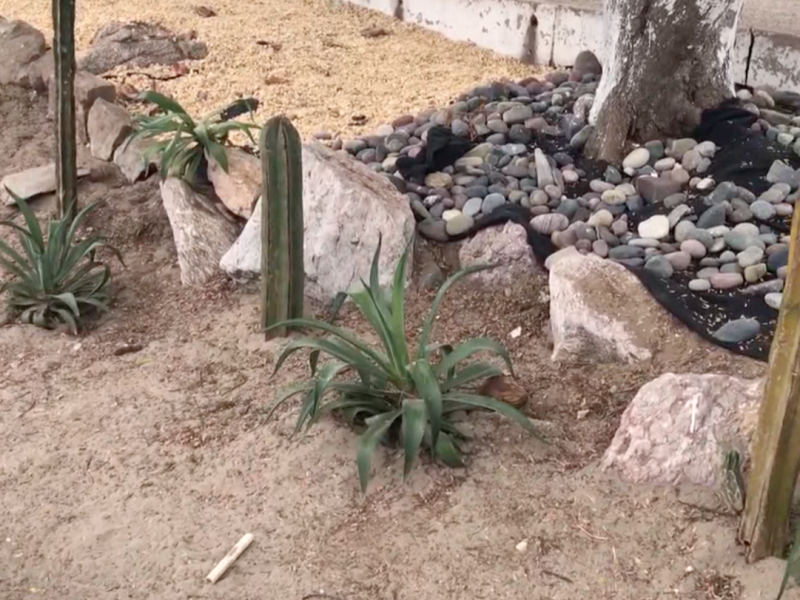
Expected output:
(64, 58)
(282, 272)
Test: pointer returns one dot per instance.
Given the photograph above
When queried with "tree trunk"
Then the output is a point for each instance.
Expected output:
(776, 447)
(64, 56)
(665, 61)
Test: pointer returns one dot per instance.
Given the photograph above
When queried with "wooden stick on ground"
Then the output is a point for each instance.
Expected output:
(230, 558)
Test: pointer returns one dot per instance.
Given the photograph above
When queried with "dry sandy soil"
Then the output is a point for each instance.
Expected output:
(324, 72)
(129, 475)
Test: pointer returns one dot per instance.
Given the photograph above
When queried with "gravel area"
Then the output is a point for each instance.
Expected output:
(324, 72)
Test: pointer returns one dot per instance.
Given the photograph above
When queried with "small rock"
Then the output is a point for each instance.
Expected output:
(491, 202)
(780, 172)
(754, 273)
(773, 300)
(472, 207)
(625, 252)
(549, 223)
(680, 261)
(699, 285)
(724, 281)
(458, 223)
(517, 114)
(544, 174)
(738, 331)
(656, 189)
(656, 227)
(602, 218)
(679, 147)
(693, 248)
(750, 257)
(660, 266)
(636, 159)
(600, 247)
(778, 259)
(712, 217)
(763, 210)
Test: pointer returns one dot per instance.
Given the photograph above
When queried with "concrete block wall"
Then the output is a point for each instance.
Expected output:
(549, 33)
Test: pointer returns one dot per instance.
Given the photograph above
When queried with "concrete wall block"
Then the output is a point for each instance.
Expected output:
(388, 7)
(503, 26)
(775, 61)
(577, 30)
(553, 34)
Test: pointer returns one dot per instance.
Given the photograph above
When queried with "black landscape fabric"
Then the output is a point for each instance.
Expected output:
(744, 158)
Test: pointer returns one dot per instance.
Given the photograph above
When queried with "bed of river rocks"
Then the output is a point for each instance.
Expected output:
(528, 139)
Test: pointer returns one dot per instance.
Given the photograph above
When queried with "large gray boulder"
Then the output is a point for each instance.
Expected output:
(346, 206)
(601, 312)
(678, 428)
(20, 46)
(201, 231)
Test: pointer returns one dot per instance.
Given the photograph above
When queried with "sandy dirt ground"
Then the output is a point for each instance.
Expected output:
(325, 72)
(129, 475)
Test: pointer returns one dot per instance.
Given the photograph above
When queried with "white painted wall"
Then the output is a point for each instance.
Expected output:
(561, 32)
(775, 61)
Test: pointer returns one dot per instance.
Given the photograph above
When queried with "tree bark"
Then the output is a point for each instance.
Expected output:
(665, 61)
(776, 446)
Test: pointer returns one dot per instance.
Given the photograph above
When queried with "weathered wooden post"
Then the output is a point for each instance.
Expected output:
(776, 448)
(64, 56)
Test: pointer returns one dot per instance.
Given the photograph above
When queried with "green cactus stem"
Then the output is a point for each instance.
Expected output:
(282, 271)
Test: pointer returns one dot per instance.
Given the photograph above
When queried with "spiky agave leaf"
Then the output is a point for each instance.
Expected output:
(420, 395)
(56, 281)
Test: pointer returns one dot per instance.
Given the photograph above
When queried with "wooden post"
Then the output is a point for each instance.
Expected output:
(64, 56)
(776, 448)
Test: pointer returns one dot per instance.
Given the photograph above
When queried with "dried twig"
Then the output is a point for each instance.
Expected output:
(594, 537)
(557, 576)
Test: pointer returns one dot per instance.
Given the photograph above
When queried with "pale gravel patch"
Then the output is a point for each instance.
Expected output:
(332, 71)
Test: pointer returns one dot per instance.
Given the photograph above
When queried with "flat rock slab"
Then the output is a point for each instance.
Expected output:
(678, 428)
(139, 44)
(31, 183)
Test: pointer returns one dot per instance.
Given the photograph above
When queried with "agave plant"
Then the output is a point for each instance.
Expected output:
(55, 279)
(395, 393)
(182, 142)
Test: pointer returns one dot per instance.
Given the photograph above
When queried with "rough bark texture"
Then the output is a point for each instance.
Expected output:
(665, 61)
(776, 449)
